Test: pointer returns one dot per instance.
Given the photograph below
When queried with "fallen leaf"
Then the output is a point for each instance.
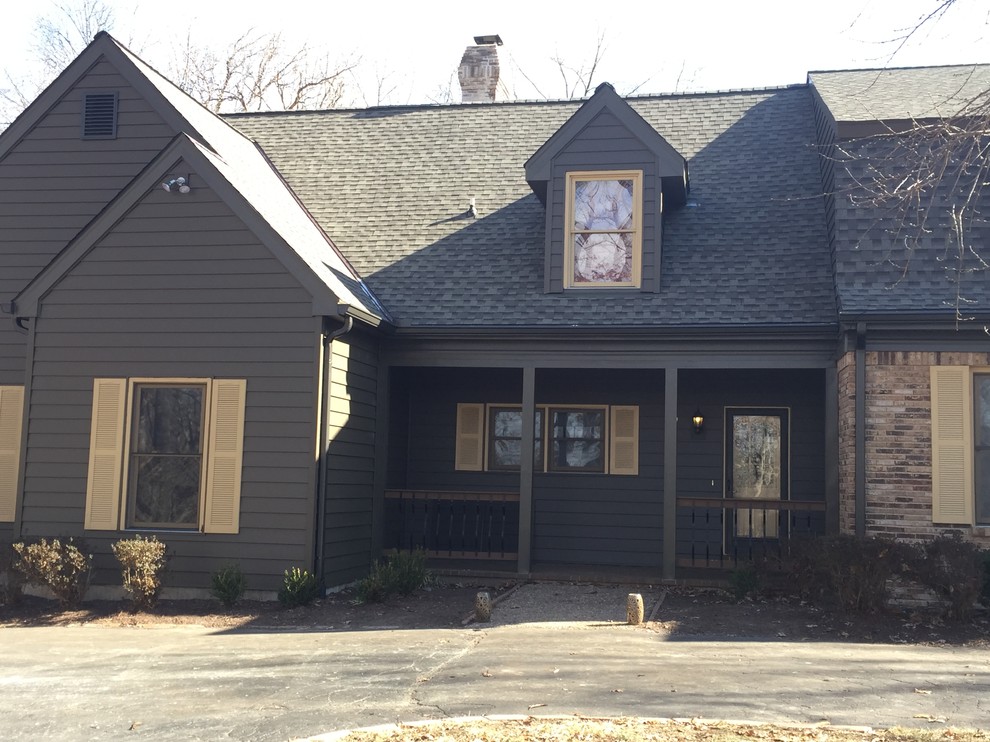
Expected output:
(487, 674)
(616, 690)
(535, 706)
(922, 692)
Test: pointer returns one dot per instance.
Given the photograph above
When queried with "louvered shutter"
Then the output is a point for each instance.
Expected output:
(11, 413)
(952, 445)
(105, 455)
(224, 456)
(470, 444)
(624, 440)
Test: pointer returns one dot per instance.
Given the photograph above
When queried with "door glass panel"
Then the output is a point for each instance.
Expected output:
(756, 471)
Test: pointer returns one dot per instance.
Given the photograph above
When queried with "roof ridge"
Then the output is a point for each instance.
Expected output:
(896, 69)
(511, 103)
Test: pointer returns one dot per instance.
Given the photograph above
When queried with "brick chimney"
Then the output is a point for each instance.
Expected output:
(479, 72)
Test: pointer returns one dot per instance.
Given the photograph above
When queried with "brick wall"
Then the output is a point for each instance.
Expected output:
(898, 443)
(847, 442)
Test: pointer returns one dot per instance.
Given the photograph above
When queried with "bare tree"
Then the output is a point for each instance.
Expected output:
(57, 39)
(580, 80)
(929, 179)
(259, 72)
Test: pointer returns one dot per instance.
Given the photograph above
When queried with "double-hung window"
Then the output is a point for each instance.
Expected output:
(577, 439)
(603, 225)
(166, 454)
(505, 438)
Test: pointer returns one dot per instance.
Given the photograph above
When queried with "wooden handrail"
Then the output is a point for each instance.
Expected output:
(405, 494)
(749, 503)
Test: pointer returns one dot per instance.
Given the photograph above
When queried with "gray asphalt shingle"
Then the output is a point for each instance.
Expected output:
(900, 93)
(391, 187)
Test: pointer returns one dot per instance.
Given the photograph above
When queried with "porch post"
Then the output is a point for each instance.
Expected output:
(669, 472)
(831, 450)
(382, 402)
(526, 469)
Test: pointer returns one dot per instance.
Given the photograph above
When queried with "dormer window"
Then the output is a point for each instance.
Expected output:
(604, 229)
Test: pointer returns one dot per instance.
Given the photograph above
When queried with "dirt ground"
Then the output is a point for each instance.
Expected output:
(678, 613)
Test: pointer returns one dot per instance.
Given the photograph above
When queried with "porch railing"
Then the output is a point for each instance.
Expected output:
(722, 533)
(453, 525)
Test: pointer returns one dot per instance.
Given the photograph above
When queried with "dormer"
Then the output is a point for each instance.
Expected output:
(605, 178)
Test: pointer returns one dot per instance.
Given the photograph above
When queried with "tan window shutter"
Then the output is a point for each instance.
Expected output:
(624, 443)
(106, 441)
(224, 456)
(952, 445)
(470, 445)
(11, 413)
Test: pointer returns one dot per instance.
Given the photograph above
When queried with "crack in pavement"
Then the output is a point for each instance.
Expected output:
(427, 676)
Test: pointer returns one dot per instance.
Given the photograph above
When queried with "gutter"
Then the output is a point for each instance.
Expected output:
(321, 477)
(860, 455)
(7, 307)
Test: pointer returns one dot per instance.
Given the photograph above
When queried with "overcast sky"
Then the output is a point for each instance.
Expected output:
(656, 46)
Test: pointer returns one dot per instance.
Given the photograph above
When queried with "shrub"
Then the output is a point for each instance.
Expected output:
(11, 579)
(954, 570)
(228, 585)
(299, 587)
(143, 562)
(62, 567)
(744, 581)
(400, 572)
(847, 570)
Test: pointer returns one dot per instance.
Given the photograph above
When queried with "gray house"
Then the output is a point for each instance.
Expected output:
(302, 338)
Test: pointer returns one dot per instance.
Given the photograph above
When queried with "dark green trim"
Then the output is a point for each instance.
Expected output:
(860, 454)
(25, 421)
(670, 473)
(832, 450)
(526, 469)
(380, 475)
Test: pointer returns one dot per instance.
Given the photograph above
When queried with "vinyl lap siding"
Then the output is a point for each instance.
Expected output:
(53, 182)
(603, 519)
(179, 288)
(351, 458)
(605, 144)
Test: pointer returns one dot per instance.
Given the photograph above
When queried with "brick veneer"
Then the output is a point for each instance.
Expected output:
(898, 443)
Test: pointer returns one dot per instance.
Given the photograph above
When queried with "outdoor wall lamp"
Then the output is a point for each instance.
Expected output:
(176, 185)
(698, 421)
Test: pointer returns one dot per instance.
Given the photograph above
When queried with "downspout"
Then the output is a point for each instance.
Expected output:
(321, 478)
(860, 455)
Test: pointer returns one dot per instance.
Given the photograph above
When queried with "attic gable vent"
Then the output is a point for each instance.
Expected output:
(99, 116)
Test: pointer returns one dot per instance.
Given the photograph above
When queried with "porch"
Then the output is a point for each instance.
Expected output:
(680, 507)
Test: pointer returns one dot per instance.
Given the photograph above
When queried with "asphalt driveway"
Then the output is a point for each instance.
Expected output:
(96, 683)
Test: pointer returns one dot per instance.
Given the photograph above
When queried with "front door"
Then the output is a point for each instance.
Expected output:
(756, 459)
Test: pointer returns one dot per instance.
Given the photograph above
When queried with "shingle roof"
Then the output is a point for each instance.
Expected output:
(391, 186)
(900, 93)
(886, 264)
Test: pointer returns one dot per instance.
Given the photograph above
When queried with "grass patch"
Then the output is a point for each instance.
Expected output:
(634, 730)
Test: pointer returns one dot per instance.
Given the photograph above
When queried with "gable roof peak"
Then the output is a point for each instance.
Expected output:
(672, 166)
